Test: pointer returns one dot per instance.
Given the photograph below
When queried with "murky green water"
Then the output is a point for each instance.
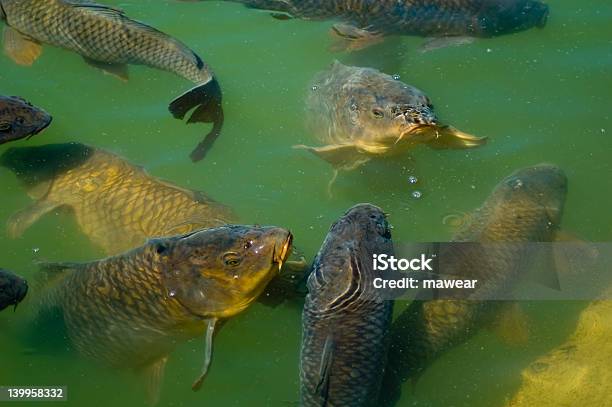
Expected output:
(540, 95)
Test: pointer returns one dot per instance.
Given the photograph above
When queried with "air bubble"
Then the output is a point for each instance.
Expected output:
(172, 293)
(314, 87)
(396, 77)
(412, 180)
(417, 194)
(35, 250)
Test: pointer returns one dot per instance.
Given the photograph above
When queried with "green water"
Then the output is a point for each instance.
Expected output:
(540, 95)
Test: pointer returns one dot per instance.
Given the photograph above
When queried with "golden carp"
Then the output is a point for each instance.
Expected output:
(578, 372)
(117, 205)
(129, 311)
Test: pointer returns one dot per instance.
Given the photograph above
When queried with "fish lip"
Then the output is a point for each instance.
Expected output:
(281, 256)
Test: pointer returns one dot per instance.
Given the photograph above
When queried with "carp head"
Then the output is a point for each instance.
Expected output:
(542, 187)
(217, 273)
(386, 114)
(20, 119)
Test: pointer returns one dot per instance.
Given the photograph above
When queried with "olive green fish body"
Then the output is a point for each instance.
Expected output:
(103, 34)
(525, 207)
(130, 311)
(118, 312)
(344, 323)
(110, 40)
(117, 205)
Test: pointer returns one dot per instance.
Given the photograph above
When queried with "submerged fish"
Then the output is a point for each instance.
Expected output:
(129, 311)
(109, 40)
(13, 289)
(345, 323)
(579, 371)
(117, 205)
(366, 21)
(525, 207)
(361, 113)
(20, 119)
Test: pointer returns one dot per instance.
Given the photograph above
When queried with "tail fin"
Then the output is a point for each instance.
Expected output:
(207, 101)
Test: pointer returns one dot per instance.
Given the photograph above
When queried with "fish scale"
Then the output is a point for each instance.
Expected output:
(109, 40)
(109, 36)
(344, 324)
(479, 18)
(118, 205)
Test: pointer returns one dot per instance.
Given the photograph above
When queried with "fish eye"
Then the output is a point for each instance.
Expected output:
(19, 120)
(5, 126)
(231, 259)
(160, 248)
(378, 113)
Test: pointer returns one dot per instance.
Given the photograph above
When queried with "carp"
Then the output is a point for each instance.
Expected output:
(345, 322)
(109, 40)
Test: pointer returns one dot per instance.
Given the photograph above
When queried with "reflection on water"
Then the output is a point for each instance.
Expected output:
(538, 95)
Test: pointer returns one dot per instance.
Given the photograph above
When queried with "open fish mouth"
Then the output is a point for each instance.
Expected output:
(281, 256)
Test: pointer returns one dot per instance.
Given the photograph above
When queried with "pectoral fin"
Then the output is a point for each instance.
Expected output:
(512, 325)
(352, 38)
(117, 70)
(431, 44)
(22, 220)
(208, 342)
(20, 48)
(281, 16)
(343, 157)
(448, 137)
(154, 375)
(325, 368)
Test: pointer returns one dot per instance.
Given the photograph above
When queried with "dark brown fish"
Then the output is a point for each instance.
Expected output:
(130, 311)
(110, 40)
(20, 119)
(13, 289)
(366, 21)
(345, 323)
(525, 207)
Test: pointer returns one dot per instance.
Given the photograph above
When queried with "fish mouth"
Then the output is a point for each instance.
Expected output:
(279, 257)
(39, 129)
(43, 127)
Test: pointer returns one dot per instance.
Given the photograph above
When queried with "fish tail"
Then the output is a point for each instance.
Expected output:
(206, 102)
